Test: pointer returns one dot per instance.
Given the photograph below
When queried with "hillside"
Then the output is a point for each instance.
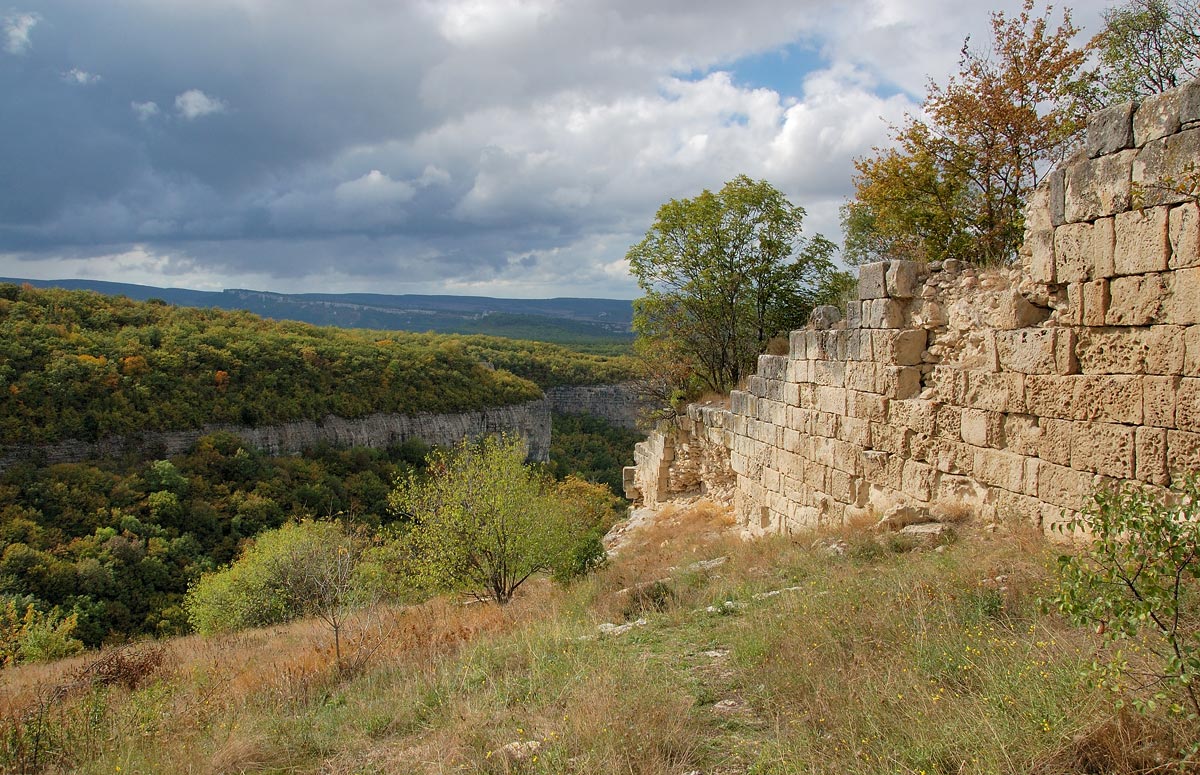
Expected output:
(75, 364)
(766, 656)
(603, 323)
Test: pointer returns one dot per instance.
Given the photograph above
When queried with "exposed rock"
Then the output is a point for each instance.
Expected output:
(928, 533)
(900, 517)
(607, 628)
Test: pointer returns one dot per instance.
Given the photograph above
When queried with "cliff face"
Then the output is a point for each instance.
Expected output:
(619, 403)
(1009, 393)
(531, 420)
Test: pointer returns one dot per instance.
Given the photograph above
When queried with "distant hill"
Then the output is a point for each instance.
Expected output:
(562, 320)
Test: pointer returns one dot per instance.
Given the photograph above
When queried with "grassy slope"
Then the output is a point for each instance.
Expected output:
(870, 663)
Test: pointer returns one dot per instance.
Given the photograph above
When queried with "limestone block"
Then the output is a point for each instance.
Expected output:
(737, 401)
(842, 456)
(1161, 164)
(1183, 302)
(920, 446)
(872, 283)
(997, 392)
(1021, 433)
(1071, 314)
(1074, 253)
(914, 413)
(831, 399)
(1040, 262)
(1111, 351)
(917, 480)
(1098, 187)
(854, 314)
(951, 456)
(1111, 129)
(808, 395)
(866, 406)
(843, 487)
(1064, 487)
(948, 422)
(800, 371)
(982, 428)
(1187, 407)
(775, 390)
(1136, 300)
(829, 373)
(1050, 396)
(1027, 350)
(1000, 469)
(876, 464)
(756, 386)
(903, 279)
(1141, 241)
(1104, 245)
(1103, 448)
(1183, 452)
(1183, 231)
(898, 381)
(883, 313)
(816, 476)
(797, 345)
(1150, 455)
(824, 424)
(858, 345)
(824, 316)
(904, 348)
(1014, 508)
(1055, 443)
(1165, 349)
(854, 431)
(791, 393)
(948, 384)
(827, 345)
(1116, 399)
(1189, 102)
(772, 366)
(861, 376)
(771, 480)
(889, 438)
(1156, 117)
(1191, 349)
(1056, 181)
(1095, 302)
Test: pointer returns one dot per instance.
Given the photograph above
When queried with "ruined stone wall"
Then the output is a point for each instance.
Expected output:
(1009, 393)
(620, 403)
(531, 420)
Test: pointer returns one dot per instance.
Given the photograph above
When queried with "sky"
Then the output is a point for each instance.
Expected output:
(483, 147)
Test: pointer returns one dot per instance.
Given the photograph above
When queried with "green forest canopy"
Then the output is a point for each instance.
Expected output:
(76, 364)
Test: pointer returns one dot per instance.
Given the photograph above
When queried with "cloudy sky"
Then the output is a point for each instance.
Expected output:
(485, 147)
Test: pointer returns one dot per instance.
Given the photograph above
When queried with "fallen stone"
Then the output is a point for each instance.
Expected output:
(928, 533)
(899, 517)
(608, 628)
(520, 750)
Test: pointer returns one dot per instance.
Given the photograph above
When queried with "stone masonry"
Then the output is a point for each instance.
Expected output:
(1006, 393)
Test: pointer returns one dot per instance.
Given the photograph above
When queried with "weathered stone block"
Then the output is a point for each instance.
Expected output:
(1116, 399)
(1095, 302)
(914, 413)
(1136, 300)
(829, 373)
(1150, 455)
(1141, 241)
(899, 381)
(952, 456)
(824, 316)
(858, 345)
(866, 406)
(1098, 187)
(1183, 302)
(917, 480)
(1183, 452)
(1056, 181)
(1047, 396)
(1027, 350)
(903, 279)
(1000, 469)
(854, 431)
(854, 314)
(1103, 448)
(883, 313)
(1189, 101)
(1191, 348)
(949, 385)
(1160, 164)
(1039, 264)
(1183, 231)
(827, 345)
(1055, 443)
(1165, 350)
(831, 399)
(1064, 487)
(1156, 117)
(904, 348)
(772, 366)
(800, 371)
(1187, 407)
(889, 438)
(1104, 243)
(797, 345)
(1071, 314)
(861, 376)
(1121, 350)
(1022, 434)
(982, 428)
(1111, 129)
(997, 392)
(1074, 253)
(948, 422)
(791, 394)
(872, 283)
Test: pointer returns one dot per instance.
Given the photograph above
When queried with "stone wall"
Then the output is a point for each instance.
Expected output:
(619, 403)
(1008, 394)
(531, 420)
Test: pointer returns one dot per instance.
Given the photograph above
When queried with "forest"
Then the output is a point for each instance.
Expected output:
(77, 364)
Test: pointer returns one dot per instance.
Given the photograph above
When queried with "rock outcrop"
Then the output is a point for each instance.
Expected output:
(620, 403)
(1008, 393)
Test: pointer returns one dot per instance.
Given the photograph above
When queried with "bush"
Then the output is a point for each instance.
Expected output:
(1138, 581)
(33, 636)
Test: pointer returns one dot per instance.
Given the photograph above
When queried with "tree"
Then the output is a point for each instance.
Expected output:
(485, 523)
(955, 183)
(301, 569)
(1147, 47)
(723, 273)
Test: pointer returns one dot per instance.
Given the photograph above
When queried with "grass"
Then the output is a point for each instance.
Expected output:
(871, 662)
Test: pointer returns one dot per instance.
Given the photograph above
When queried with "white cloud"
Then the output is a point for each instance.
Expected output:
(17, 27)
(194, 103)
(144, 110)
(80, 77)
